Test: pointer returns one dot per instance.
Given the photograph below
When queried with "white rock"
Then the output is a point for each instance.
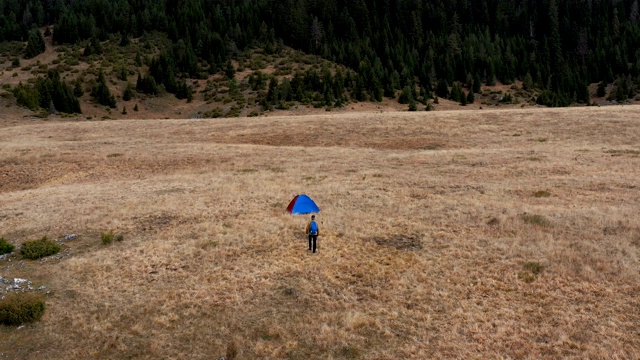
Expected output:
(18, 281)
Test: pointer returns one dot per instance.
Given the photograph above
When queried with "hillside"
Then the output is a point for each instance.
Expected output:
(213, 95)
(453, 234)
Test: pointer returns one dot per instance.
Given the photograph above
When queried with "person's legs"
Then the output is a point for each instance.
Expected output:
(310, 237)
(315, 239)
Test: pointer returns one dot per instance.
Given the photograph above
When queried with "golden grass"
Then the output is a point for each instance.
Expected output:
(424, 251)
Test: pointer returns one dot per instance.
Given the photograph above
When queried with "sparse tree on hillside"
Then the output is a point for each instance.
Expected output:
(101, 92)
(35, 45)
(127, 94)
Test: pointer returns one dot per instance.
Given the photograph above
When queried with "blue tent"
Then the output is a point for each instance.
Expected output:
(302, 204)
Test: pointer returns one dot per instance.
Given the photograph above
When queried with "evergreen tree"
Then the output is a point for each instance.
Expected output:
(527, 83)
(93, 48)
(26, 96)
(77, 88)
(405, 96)
(183, 91)
(123, 73)
(229, 70)
(442, 90)
(35, 45)
(124, 39)
(413, 106)
(138, 59)
(127, 94)
(101, 92)
(456, 92)
(471, 98)
(48, 93)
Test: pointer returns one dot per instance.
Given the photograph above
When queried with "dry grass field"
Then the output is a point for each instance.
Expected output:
(474, 235)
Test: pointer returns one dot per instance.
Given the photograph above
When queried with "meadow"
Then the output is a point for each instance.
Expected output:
(453, 234)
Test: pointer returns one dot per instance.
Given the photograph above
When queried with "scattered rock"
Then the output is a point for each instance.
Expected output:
(16, 285)
(70, 237)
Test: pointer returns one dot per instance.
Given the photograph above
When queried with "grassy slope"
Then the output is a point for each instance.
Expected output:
(424, 240)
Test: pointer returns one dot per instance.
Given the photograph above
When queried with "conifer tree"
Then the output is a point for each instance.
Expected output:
(442, 90)
(77, 88)
(471, 98)
(101, 92)
(127, 94)
(35, 45)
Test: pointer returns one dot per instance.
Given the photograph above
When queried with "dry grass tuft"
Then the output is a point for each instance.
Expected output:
(232, 350)
(541, 194)
(535, 219)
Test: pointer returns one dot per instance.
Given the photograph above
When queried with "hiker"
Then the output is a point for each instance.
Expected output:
(313, 231)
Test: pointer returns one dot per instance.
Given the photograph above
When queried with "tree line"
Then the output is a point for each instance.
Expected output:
(558, 47)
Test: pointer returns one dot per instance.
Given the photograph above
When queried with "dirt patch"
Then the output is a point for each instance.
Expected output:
(401, 242)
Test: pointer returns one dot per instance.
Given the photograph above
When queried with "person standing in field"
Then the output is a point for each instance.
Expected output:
(313, 231)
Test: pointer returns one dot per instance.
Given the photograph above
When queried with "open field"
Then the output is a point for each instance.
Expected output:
(489, 234)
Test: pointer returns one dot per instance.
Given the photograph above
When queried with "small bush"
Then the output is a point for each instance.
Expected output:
(534, 267)
(5, 247)
(37, 249)
(531, 271)
(350, 352)
(20, 308)
(107, 238)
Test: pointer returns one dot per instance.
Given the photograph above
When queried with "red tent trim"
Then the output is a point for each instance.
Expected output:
(291, 204)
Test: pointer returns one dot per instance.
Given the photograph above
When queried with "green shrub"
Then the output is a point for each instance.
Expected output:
(5, 247)
(20, 308)
(107, 238)
(37, 249)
